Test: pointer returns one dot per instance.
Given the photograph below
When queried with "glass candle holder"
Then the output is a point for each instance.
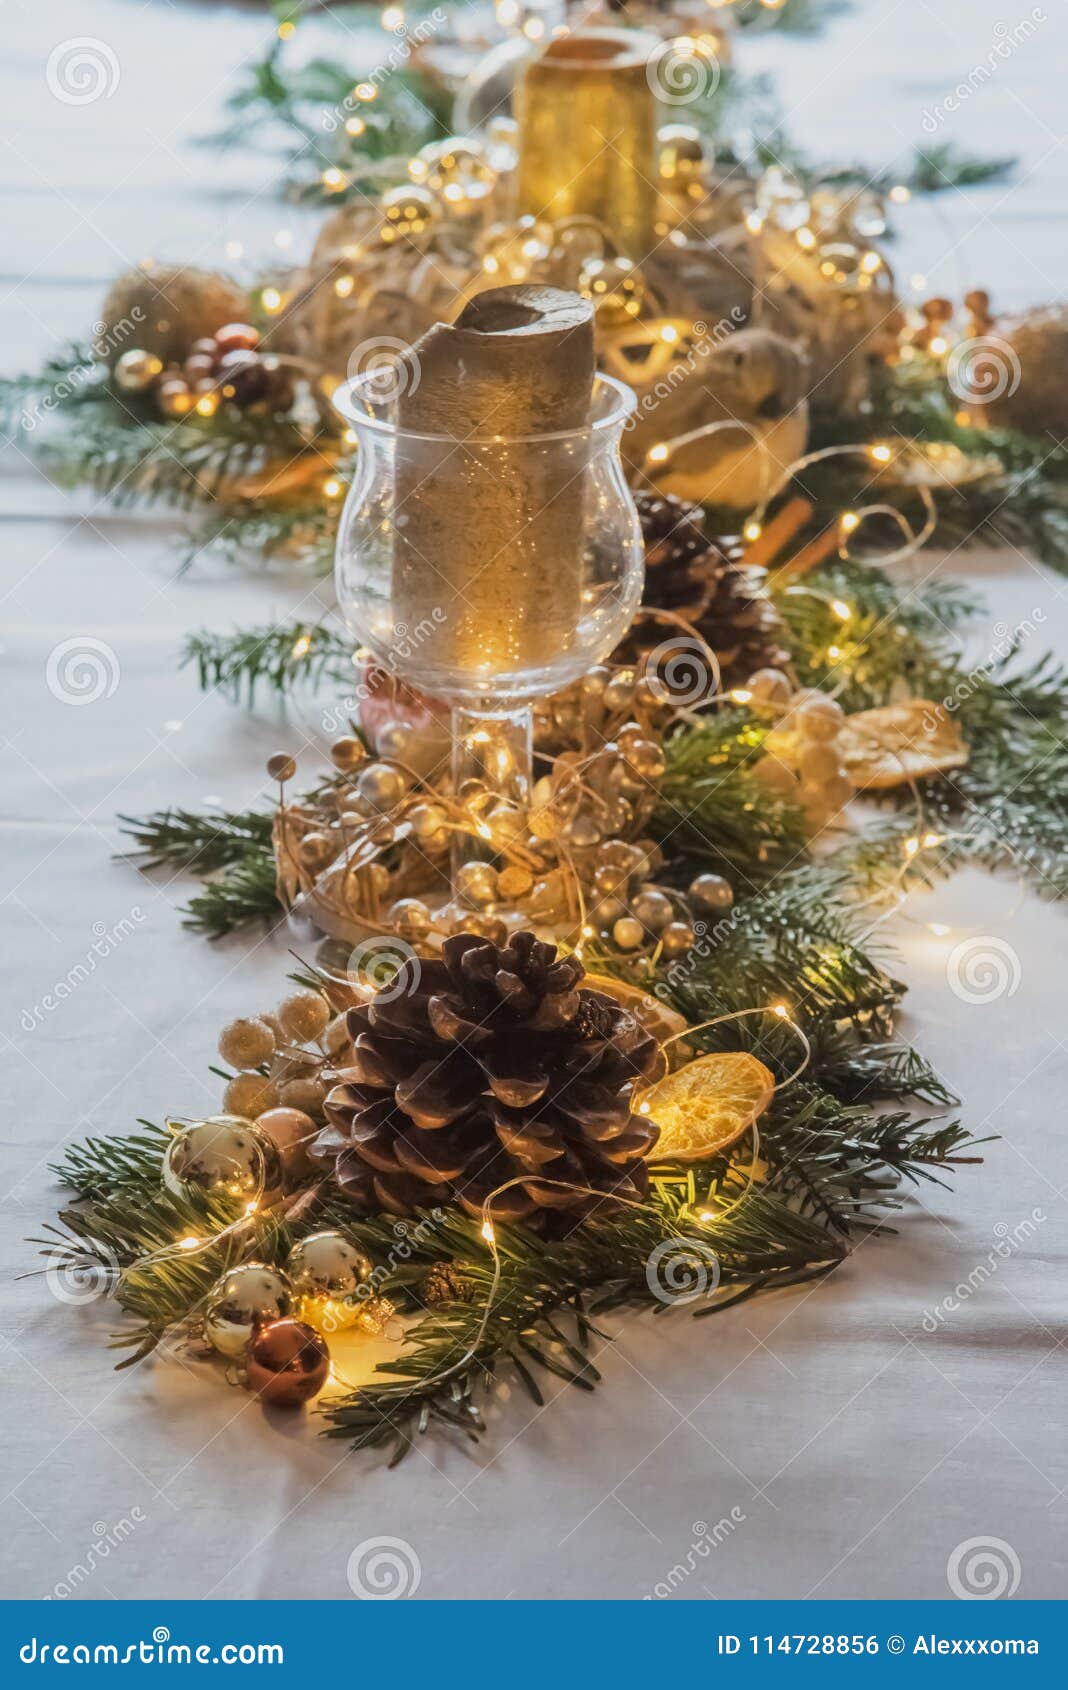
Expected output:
(488, 571)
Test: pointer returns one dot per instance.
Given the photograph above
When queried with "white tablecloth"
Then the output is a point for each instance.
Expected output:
(848, 1446)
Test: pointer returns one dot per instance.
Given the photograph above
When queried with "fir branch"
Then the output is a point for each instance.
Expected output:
(1007, 809)
(70, 377)
(100, 1167)
(247, 891)
(295, 530)
(204, 842)
(937, 167)
(539, 1317)
(887, 642)
(1026, 505)
(829, 1169)
(711, 807)
(280, 656)
(184, 463)
(792, 17)
(237, 843)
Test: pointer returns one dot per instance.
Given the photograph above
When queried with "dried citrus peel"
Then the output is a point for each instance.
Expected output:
(706, 1105)
(899, 743)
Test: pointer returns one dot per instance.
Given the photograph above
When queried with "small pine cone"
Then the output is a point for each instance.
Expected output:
(741, 623)
(680, 560)
(445, 1284)
(491, 1067)
(704, 581)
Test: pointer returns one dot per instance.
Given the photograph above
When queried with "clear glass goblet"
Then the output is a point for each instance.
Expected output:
(487, 571)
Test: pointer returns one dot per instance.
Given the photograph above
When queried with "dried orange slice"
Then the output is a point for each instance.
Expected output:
(705, 1106)
(900, 742)
(652, 1016)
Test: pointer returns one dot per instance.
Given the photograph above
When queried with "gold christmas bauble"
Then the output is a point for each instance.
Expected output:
(456, 170)
(407, 212)
(326, 1271)
(136, 370)
(841, 262)
(682, 156)
(615, 288)
(245, 1299)
(162, 309)
(511, 251)
(224, 1156)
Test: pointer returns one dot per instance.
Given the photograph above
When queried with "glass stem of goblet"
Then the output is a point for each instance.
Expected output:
(491, 770)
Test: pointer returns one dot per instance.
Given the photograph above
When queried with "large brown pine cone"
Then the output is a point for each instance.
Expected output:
(705, 582)
(491, 1065)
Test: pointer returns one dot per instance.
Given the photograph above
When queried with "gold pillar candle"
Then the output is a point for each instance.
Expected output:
(587, 115)
(488, 535)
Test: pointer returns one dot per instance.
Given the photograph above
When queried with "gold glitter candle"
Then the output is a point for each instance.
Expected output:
(587, 116)
(487, 555)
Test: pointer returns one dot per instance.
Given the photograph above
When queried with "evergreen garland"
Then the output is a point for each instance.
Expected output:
(830, 1168)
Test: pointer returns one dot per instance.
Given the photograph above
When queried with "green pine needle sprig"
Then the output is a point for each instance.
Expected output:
(278, 657)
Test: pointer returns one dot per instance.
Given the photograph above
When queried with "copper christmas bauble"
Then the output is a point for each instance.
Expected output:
(288, 1363)
(326, 1272)
(246, 1298)
(224, 1156)
(236, 337)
